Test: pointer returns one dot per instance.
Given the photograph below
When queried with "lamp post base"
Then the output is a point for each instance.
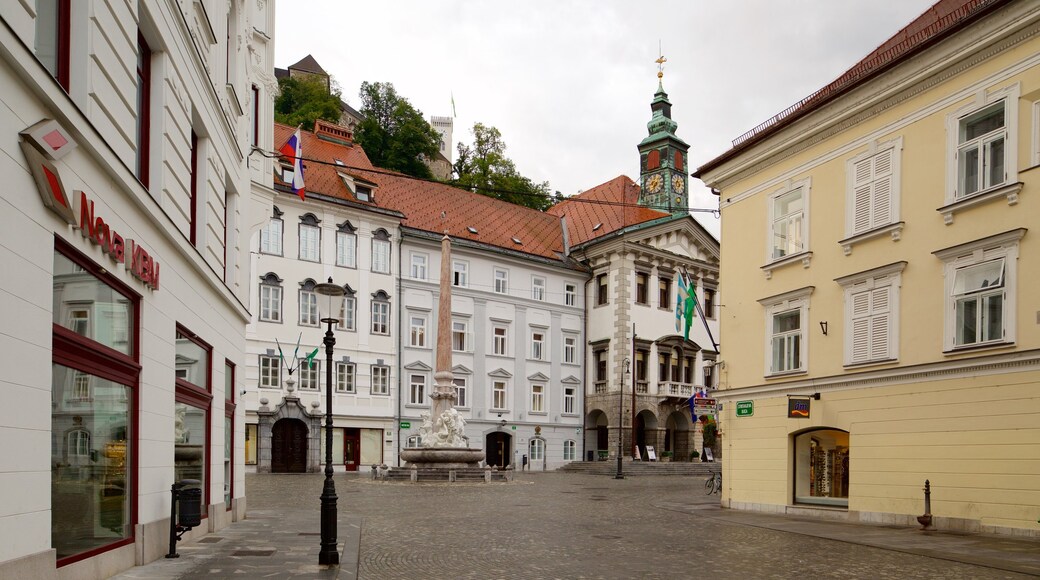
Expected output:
(329, 554)
(619, 474)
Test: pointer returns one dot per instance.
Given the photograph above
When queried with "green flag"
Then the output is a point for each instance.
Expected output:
(310, 357)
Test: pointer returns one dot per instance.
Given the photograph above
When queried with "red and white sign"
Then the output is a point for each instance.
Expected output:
(50, 139)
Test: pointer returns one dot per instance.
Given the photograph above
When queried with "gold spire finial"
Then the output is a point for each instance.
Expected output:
(660, 61)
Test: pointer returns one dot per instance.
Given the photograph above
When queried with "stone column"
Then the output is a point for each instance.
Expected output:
(443, 394)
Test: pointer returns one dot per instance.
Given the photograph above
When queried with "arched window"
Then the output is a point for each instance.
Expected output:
(77, 443)
(569, 448)
(537, 450)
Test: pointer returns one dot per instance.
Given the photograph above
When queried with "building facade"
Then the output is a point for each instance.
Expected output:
(128, 127)
(878, 252)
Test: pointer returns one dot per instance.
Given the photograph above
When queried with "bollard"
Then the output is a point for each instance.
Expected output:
(926, 519)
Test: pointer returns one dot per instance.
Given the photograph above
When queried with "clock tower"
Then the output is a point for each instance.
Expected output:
(662, 157)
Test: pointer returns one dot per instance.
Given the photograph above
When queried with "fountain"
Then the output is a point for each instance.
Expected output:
(443, 445)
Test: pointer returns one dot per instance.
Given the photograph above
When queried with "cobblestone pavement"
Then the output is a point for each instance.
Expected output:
(556, 525)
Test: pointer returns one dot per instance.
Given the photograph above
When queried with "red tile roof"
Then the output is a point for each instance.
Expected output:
(320, 178)
(942, 19)
(612, 205)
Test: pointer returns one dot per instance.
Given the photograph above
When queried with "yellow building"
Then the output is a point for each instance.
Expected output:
(881, 259)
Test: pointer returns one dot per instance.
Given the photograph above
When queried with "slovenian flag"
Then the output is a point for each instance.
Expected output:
(293, 149)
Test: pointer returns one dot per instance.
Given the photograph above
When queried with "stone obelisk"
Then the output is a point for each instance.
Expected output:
(443, 394)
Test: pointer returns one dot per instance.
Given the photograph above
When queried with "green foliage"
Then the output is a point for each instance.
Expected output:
(711, 430)
(393, 132)
(483, 166)
(301, 100)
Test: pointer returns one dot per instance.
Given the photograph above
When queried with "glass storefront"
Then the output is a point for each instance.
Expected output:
(189, 443)
(251, 444)
(822, 468)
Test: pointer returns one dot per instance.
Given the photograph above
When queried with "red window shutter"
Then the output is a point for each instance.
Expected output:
(678, 160)
(653, 160)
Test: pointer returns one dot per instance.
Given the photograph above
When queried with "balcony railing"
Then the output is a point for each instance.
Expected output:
(601, 387)
(642, 387)
(677, 389)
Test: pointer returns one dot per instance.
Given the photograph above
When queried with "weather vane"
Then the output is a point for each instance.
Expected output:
(660, 61)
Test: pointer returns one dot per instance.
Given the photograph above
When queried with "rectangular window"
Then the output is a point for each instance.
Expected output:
(193, 178)
(537, 344)
(642, 291)
(418, 266)
(568, 400)
(309, 376)
(250, 451)
(347, 314)
(788, 226)
(980, 149)
(663, 365)
(459, 336)
(191, 427)
(271, 237)
(569, 450)
(310, 243)
(570, 349)
(499, 334)
(417, 331)
(255, 135)
(270, 303)
(708, 302)
(308, 308)
(460, 392)
(346, 249)
(417, 390)
(380, 380)
(537, 398)
(869, 320)
(229, 431)
(873, 188)
(501, 281)
(380, 317)
(601, 289)
(978, 298)
(381, 256)
(570, 294)
(537, 288)
(345, 378)
(190, 448)
(460, 274)
(144, 89)
(664, 292)
(601, 365)
(53, 28)
(537, 450)
(498, 395)
(270, 372)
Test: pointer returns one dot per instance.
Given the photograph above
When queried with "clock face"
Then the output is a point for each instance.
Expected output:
(654, 183)
(678, 185)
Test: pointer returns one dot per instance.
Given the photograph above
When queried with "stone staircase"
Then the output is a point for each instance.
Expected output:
(637, 468)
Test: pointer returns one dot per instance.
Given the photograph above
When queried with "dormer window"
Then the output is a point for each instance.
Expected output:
(363, 193)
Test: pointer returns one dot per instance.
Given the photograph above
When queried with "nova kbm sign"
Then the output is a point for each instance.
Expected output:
(745, 408)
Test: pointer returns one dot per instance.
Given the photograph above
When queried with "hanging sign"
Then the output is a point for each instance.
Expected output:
(798, 408)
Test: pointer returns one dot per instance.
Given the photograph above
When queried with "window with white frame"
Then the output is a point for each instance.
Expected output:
(346, 249)
(537, 344)
(417, 331)
(983, 144)
(537, 288)
(872, 314)
(568, 400)
(414, 441)
(380, 313)
(271, 237)
(499, 339)
(461, 400)
(501, 280)
(570, 294)
(417, 389)
(980, 291)
(498, 395)
(345, 378)
(873, 188)
(460, 274)
(537, 449)
(537, 398)
(459, 335)
(270, 298)
(419, 266)
(381, 252)
(570, 349)
(347, 313)
(789, 217)
(270, 372)
(787, 318)
(308, 305)
(310, 238)
(380, 380)
(309, 373)
(569, 448)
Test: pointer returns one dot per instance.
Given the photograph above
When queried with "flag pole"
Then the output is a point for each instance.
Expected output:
(697, 305)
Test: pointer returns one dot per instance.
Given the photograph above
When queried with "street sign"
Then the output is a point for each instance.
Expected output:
(406, 425)
(704, 406)
(745, 408)
(514, 427)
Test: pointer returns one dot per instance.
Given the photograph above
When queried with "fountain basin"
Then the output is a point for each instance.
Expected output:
(447, 457)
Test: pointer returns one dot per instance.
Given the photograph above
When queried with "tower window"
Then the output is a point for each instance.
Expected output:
(653, 160)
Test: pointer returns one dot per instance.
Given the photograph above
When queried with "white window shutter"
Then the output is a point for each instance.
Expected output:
(861, 195)
(879, 322)
(860, 326)
(882, 210)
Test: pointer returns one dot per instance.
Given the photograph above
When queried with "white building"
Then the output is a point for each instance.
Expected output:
(128, 127)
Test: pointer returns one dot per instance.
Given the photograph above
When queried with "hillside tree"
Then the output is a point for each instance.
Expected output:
(393, 132)
(484, 167)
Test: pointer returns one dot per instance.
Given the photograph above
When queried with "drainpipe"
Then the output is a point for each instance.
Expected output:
(400, 343)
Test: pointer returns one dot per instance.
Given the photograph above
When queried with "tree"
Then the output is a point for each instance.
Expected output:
(302, 100)
(394, 133)
(484, 167)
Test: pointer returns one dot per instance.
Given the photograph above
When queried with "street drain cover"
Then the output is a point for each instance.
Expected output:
(607, 537)
(210, 540)
(310, 533)
(253, 553)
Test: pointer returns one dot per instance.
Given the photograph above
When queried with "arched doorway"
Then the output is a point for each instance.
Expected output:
(289, 446)
(646, 432)
(597, 436)
(677, 435)
(498, 449)
(821, 467)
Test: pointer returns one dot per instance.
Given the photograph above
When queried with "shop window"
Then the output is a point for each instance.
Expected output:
(193, 398)
(821, 469)
(250, 451)
(229, 431)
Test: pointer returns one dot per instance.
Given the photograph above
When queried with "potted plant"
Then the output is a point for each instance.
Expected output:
(666, 456)
(694, 455)
(603, 454)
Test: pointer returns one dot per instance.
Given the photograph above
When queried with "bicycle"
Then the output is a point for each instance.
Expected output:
(713, 484)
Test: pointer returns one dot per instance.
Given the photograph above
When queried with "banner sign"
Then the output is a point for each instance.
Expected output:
(798, 408)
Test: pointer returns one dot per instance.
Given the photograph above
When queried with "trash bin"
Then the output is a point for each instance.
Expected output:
(189, 513)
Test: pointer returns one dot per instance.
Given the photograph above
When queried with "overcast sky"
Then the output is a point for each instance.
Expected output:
(569, 82)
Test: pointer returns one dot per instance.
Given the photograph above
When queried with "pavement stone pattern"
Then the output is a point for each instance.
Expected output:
(562, 525)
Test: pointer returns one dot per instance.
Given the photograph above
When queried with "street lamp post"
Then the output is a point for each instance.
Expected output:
(621, 419)
(331, 299)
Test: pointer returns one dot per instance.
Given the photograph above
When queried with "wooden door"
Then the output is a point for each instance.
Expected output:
(289, 447)
(352, 449)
